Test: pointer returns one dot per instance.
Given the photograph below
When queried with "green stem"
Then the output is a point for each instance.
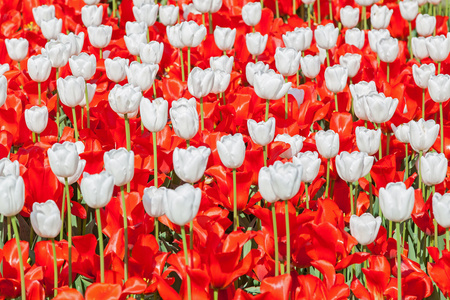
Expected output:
(330, 8)
(310, 8)
(352, 205)
(182, 65)
(370, 193)
(224, 99)
(364, 17)
(8, 224)
(155, 160)
(189, 60)
(388, 76)
(55, 270)
(286, 107)
(235, 214)
(19, 252)
(328, 178)
(406, 162)
(69, 229)
(216, 292)
(423, 104)
(39, 137)
(447, 237)
(58, 105)
(75, 126)
(210, 23)
(157, 231)
(33, 137)
(439, 68)
(202, 117)
(288, 239)
(277, 11)
(275, 238)
(294, 7)
(399, 261)
(191, 235)
(390, 229)
(319, 17)
(100, 243)
(186, 260)
(307, 195)
(125, 233)
(39, 93)
(336, 103)
(420, 169)
(127, 132)
(61, 232)
(114, 5)
(409, 41)
(328, 58)
(265, 155)
(154, 90)
(441, 115)
(267, 110)
(101, 53)
(88, 114)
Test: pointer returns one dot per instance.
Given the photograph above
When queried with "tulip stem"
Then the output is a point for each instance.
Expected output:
(75, 126)
(216, 292)
(307, 195)
(182, 65)
(441, 116)
(55, 270)
(39, 93)
(336, 103)
(262, 3)
(406, 162)
(267, 110)
(191, 235)
(328, 57)
(330, 10)
(439, 68)
(310, 8)
(364, 17)
(328, 178)
(210, 23)
(447, 237)
(88, 115)
(19, 252)
(69, 229)
(399, 261)
(157, 231)
(155, 160)
(186, 260)
(154, 90)
(202, 121)
(235, 214)
(277, 11)
(100, 243)
(58, 105)
(189, 60)
(352, 205)
(423, 104)
(319, 17)
(127, 132)
(294, 7)
(409, 41)
(33, 137)
(114, 5)
(265, 155)
(286, 103)
(275, 238)
(420, 169)
(388, 76)
(101, 53)
(125, 233)
(288, 239)
(61, 232)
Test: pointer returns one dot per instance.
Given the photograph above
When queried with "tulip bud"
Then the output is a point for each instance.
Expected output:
(134, 42)
(116, 69)
(364, 2)
(352, 62)
(251, 13)
(441, 209)
(380, 16)
(349, 16)
(419, 47)
(190, 164)
(142, 75)
(83, 65)
(439, 87)
(327, 143)
(51, 28)
(295, 142)
(221, 81)
(192, 34)
(97, 189)
(438, 47)
(181, 205)
(310, 163)
(256, 43)
(8, 167)
(120, 164)
(76, 42)
(279, 181)
(46, 219)
(139, 3)
(355, 37)
(3, 89)
(310, 66)
(71, 90)
(224, 38)
(205, 6)
(125, 100)
(422, 74)
(17, 48)
(378, 107)
(91, 2)
(57, 52)
(63, 159)
(200, 82)
(425, 24)
(99, 36)
(152, 52)
(135, 28)
(154, 114)
(12, 193)
(4, 68)
(365, 228)
(401, 132)
(368, 140)
(433, 168)
(168, 14)
(153, 201)
(184, 117)
(74, 178)
(387, 49)
(91, 15)
(299, 39)
(326, 36)
(253, 68)
(352, 166)
(231, 150)
(423, 134)
(396, 202)
(43, 13)
(223, 63)
(409, 9)
(147, 13)
(359, 90)
(375, 36)
(287, 61)
(270, 85)
(262, 133)
(174, 36)
(336, 78)
(36, 118)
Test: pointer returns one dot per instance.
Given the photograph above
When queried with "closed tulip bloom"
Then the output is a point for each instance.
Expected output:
(352, 62)
(91, 93)
(425, 24)
(265, 185)
(17, 48)
(326, 36)
(439, 87)
(375, 36)
(422, 74)
(116, 69)
(295, 142)
(353, 166)
(419, 47)
(74, 178)
(46, 219)
(409, 9)
(336, 78)
(8, 167)
(139, 3)
(152, 52)
(39, 67)
(287, 61)
(364, 2)
(256, 43)
(147, 13)
(168, 14)
(190, 164)
(192, 34)
(349, 16)
(125, 99)
(97, 189)
(4, 68)
(300, 39)
(184, 117)
(91, 2)
(174, 36)
(378, 107)
(12, 193)
(423, 134)
(224, 63)
(310, 163)
(36, 118)
(181, 205)
(76, 41)
(43, 13)
(224, 38)
(83, 65)
(205, 6)
(99, 36)
(396, 202)
(270, 85)
(142, 75)
(135, 27)
(433, 168)
(368, 140)
(310, 65)
(3, 89)
(251, 13)
(134, 42)
(200, 82)
(51, 28)
(153, 201)
(355, 37)
(262, 133)
(327, 143)
(221, 81)
(438, 47)
(401, 132)
(285, 179)
(380, 16)
(362, 88)
(57, 52)
(253, 68)
(231, 150)
(91, 15)
(63, 159)
(120, 164)
(71, 90)
(387, 49)
(365, 228)
(154, 114)
(441, 209)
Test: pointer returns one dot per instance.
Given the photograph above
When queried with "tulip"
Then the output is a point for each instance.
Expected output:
(387, 49)
(401, 132)
(299, 39)
(71, 90)
(295, 142)
(433, 168)
(3, 89)
(76, 41)
(396, 201)
(92, 15)
(63, 159)
(336, 80)
(423, 134)
(12, 191)
(57, 52)
(425, 24)
(365, 228)
(253, 68)
(270, 86)
(224, 37)
(352, 62)
(262, 133)
(154, 114)
(310, 163)
(125, 100)
(349, 16)
(8, 167)
(256, 43)
(174, 36)
(221, 82)
(139, 3)
(74, 178)
(359, 90)
(378, 107)
(83, 65)
(231, 150)
(181, 205)
(419, 47)
(151, 53)
(100, 36)
(36, 118)
(91, 2)
(17, 49)
(207, 6)
(45, 219)
(97, 189)
(192, 34)
(51, 28)
(190, 164)
(168, 14)
(4, 68)
(200, 82)
(352, 166)
(438, 48)
(368, 140)
(375, 36)
(251, 13)
(422, 74)
(184, 117)
(43, 13)
(120, 164)
(409, 9)
(439, 87)
(39, 67)
(135, 28)
(326, 36)
(142, 75)
(134, 42)
(116, 69)
(287, 61)
(327, 143)
(224, 63)
(310, 66)
(355, 37)
(380, 16)
(153, 201)
(146, 13)
(441, 209)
